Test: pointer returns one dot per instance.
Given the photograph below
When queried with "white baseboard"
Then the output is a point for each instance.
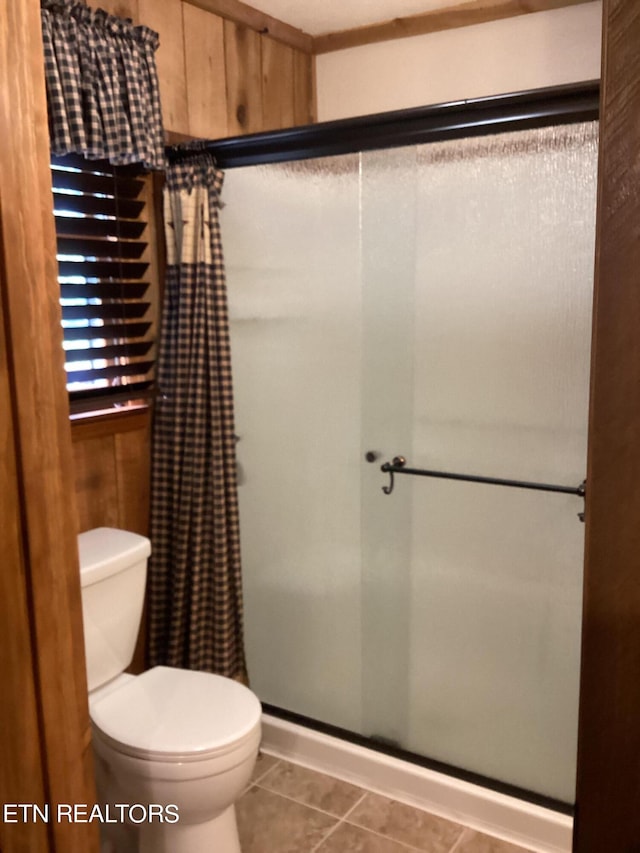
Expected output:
(533, 827)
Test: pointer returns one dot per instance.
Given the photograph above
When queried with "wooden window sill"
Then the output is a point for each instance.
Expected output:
(86, 425)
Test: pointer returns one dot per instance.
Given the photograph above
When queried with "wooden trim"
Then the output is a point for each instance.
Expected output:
(241, 13)
(608, 778)
(159, 242)
(314, 89)
(40, 414)
(22, 772)
(451, 17)
(109, 423)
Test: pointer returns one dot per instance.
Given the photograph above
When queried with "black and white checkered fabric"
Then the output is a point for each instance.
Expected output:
(195, 589)
(102, 85)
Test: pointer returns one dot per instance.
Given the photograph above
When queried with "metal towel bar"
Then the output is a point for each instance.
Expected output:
(399, 466)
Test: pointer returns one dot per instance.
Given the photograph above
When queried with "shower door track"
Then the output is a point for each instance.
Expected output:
(455, 120)
(390, 749)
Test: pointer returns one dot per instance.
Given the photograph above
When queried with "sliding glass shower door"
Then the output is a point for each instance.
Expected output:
(432, 302)
(292, 250)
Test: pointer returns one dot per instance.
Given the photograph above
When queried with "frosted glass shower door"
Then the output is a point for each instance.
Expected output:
(291, 236)
(499, 321)
(431, 301)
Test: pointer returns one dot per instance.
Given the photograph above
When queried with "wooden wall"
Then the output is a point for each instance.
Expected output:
(22, 770)
(111, 466)
(221, 78)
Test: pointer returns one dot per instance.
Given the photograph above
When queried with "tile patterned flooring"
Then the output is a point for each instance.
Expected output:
(290, 809)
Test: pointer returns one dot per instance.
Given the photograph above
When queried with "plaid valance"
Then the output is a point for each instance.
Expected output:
(102, 85)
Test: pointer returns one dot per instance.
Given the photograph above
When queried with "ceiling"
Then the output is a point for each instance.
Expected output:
(324, 16)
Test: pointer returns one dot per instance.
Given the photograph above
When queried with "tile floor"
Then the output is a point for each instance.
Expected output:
(290, 809)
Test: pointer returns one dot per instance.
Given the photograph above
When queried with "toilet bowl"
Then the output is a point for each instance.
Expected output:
(177, 747)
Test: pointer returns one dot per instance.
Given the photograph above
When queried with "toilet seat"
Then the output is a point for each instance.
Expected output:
(179, 715)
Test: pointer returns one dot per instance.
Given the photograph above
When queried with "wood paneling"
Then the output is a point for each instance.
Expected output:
(22, 776)
(165, 16)
(224, 67)
(608, 788)
(112, 471)
(121, 8)
(304, 89)
(450, 17)
(242, 49)
(96, 483)
(278, 91)
(206, 73)
(132, 457)
(39, 408)
(249, 16)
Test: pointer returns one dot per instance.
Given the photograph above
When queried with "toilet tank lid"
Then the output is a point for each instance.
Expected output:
(106, 551)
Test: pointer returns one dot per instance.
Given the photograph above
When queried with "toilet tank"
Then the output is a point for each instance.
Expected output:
(113, 571)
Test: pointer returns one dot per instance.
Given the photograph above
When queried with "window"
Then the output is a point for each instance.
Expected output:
(102, 226)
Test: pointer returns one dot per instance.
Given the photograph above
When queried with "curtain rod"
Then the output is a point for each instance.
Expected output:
(454, 120)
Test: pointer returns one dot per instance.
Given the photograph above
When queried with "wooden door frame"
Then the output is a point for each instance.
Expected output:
(608, 778)
(22, 775)
(46, 747)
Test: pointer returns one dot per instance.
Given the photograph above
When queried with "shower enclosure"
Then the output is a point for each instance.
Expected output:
(430, 300)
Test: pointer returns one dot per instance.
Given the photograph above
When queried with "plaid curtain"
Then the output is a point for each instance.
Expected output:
(195, 589)
(102, 85)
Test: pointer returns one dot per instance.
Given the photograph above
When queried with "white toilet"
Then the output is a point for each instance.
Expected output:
(166, 737)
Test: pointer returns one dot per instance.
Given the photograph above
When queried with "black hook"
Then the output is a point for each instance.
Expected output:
(582, 492)
(389, 468)
(386, 468)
